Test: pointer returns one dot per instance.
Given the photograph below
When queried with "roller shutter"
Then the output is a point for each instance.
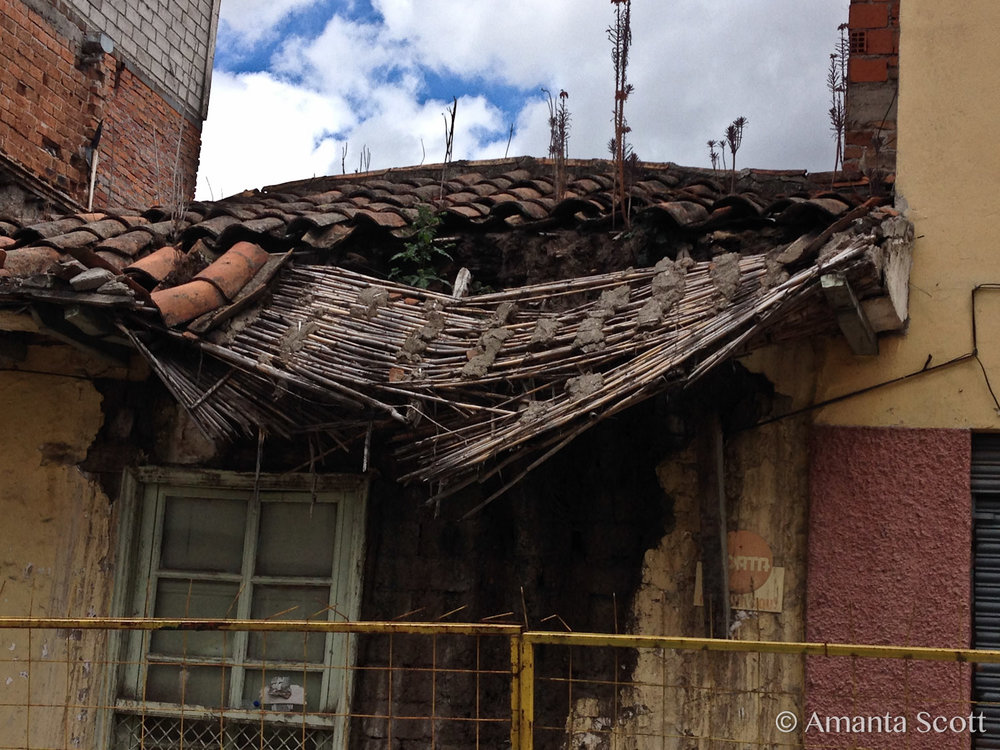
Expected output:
(986, 582)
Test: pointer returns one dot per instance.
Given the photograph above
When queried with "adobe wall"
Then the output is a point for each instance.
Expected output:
(56, 542)
(52, 101)
(889, 563)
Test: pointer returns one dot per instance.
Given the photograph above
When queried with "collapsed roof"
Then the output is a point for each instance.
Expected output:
(254, 311)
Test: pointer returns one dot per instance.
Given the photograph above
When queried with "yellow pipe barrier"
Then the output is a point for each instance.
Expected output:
(918, 653)
(297, 626)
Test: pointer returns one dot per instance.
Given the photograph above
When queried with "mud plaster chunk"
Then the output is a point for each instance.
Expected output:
(590, 335)
(502, 313)
(412, 348)
(485, 353)
(613, 300)
(295, 338)
(584, 385)
(725, 274)
(650, 314)
(535, 411)
(774, 273)
(433, 327)
(370, 299)
(668, 284)
(545, 332)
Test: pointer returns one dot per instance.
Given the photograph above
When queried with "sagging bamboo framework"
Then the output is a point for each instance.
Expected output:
(474, 384)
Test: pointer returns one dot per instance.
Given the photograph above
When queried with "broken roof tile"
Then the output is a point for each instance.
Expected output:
(156, 266)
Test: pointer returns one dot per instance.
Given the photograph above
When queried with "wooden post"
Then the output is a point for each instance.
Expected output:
(714, 549)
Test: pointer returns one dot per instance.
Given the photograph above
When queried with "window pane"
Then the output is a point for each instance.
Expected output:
(268, 689)
(203, 600)
(203, 534)
(199, 686)
(288, 603)
(296, 539)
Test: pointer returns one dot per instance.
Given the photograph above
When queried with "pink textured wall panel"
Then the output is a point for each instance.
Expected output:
(890, 527)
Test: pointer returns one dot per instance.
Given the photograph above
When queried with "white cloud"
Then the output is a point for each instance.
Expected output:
(263, 131)
(251, 20)
(695, 65)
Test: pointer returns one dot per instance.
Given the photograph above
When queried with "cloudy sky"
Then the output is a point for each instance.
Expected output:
(299, 83)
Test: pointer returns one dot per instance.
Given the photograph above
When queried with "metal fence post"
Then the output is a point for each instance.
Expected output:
(526, 689)
(522, 693)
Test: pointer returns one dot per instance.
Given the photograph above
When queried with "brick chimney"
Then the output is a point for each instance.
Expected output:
(873, 81)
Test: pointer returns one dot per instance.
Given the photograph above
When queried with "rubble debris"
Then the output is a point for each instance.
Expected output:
(91, 279)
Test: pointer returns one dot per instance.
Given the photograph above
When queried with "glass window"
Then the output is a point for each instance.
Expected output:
(210, 549)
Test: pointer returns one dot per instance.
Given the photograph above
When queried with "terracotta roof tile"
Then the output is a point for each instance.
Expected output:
(130, 244)
(30, 261)
(118, 262)
(106, 228)
(76, 239)
(156, 266)
(47, 229)
(186, 302)
(235, 268)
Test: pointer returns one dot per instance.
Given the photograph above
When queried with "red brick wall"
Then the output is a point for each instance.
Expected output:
(873, 73)
(890, 540)
(50, 106)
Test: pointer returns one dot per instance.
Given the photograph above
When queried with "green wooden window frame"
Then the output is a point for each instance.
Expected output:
(181, 533)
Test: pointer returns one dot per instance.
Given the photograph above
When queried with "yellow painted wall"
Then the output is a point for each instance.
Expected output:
(948, 177)
(55, 555)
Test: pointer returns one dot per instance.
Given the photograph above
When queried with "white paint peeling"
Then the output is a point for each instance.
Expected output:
(24, 674)
(12, 646)
(8, 681)
(45, 650)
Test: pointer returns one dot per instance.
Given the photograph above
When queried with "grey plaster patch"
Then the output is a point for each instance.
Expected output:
(535, 411)
(485, 353)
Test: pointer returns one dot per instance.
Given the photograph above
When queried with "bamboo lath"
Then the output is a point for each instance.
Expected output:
(474, 384)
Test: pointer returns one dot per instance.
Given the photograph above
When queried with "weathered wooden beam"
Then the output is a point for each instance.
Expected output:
(714, 546)
(851, 317)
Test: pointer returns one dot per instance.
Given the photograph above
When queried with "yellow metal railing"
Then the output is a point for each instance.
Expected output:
(48, 668)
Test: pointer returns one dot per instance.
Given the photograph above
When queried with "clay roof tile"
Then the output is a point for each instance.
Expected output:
(186, 302)
(30, 261)
(235, 268)
(156, 266)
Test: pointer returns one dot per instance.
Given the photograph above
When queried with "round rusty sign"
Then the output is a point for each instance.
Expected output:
(750, 561)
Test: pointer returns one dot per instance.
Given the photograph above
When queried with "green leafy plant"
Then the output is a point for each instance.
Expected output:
(416, 264)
